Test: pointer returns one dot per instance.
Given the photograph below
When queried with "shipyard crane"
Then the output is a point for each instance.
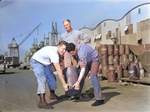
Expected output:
(13, 59)
(29, 35)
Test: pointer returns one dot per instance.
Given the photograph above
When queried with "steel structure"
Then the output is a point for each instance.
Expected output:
(14, 47)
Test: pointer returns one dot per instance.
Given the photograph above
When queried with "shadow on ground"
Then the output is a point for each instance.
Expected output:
(90, 93)
(7, 73)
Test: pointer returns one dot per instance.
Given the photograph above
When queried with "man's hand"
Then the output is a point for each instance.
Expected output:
(76, 85)
(61, 76)
(65, 86)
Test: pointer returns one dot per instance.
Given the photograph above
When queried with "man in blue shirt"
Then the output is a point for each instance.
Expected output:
(88, 59)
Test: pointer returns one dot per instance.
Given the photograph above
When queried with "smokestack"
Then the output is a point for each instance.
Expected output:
(56, 26)
(44, 40)
(36, 41)
(52, 26)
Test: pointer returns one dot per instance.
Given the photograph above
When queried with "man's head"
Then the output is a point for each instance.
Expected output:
(61, 47)
(71, 49)
(67, 25)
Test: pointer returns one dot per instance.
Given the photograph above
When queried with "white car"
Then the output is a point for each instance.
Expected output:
(2, 64)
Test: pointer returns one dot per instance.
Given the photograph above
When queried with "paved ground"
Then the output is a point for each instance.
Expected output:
(18, 94)
(118, 98)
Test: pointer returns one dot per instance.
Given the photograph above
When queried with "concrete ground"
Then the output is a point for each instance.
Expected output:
(18, 94)
(119, 97)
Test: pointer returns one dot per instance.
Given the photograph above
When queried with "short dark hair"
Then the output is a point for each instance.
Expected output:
(70, 47)
(67, 20)
(62, 43)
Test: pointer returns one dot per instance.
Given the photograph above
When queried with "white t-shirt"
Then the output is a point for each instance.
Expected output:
(47, 55)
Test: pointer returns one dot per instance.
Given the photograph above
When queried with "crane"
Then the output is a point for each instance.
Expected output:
(13, 59)
(28, 35)
(14, 47)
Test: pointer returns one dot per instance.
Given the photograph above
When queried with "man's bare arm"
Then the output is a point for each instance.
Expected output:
(61, 76)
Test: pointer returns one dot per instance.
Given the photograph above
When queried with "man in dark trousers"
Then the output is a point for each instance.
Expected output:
(88, 59)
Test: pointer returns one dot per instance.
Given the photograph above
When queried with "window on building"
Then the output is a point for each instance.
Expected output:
(116, 32)
(108, 34)
(104, 24)
(139, 11)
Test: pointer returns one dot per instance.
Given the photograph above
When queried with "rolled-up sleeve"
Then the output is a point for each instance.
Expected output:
(83, 38)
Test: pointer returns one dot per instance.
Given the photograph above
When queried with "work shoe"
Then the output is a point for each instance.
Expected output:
(45, 105)
(54, 97)
(84, 95)
(98, 102)
(74, 98)
(71, 98)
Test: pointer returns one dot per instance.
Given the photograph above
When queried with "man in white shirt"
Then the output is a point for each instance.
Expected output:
(76, 37)
(40, 63)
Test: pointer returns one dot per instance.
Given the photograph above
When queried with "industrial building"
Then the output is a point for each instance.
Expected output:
(124, 45)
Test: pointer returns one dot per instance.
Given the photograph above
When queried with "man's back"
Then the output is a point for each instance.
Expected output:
(86, 53)
(46, 55)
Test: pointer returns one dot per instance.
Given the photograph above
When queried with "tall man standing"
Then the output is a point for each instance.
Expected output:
(76, 37)
(72, 36)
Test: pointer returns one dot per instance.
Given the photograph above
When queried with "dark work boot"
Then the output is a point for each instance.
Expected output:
(98, 102)
(74, 98)
(43, 103)
(53, 96)
(84, 95)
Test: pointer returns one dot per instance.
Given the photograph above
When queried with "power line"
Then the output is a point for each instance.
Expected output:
(22, 33)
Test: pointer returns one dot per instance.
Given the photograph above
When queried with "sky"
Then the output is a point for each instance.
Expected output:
(20, 17)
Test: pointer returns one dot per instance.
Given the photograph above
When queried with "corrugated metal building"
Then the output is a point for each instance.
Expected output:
(133, 26)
